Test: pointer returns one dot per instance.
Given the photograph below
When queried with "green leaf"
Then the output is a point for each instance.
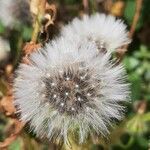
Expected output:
(140, 70)
(27, 33)
(131, 63)
(16, 145)
(2, 28)
(146, 117)
(136, 125)
(142, 142)
(129, 11)
(142, 53)
(135, 81)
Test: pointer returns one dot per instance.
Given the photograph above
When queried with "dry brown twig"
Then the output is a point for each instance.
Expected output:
(121, 51)
(49, 18)
(85, 4)
(136, 17)
(42, 11)
(17, 128)
(108, 5)
(28, 49)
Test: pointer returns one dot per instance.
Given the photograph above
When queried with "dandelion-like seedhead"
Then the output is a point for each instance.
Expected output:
(14, 11)
(105, 30)
(70, 88)
(5, 16)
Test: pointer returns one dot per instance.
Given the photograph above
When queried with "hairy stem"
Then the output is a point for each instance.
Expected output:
(41, 5)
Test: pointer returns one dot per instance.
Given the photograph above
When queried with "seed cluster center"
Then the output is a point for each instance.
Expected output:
(69, 91)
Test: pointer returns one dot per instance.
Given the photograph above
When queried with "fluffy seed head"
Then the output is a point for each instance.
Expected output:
(68, 91)
(105, 30)
(70, 88)
(14, 11)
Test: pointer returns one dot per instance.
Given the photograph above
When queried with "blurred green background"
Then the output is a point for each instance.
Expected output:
(133, 133)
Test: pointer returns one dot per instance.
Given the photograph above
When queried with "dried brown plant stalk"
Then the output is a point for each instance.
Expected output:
(136, 17)
(42, 11)
(17, 128)
(85, 4)
(108, 5)
(121, 51)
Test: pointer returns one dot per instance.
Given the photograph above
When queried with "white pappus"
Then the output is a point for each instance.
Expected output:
(105, 30)
(70, 88)
(13, 12)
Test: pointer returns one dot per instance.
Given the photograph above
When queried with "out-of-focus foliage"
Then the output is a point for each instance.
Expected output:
(138, 68)
(133, 133)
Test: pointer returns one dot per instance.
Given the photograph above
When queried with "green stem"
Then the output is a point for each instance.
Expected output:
(36, 30)
(37, 24)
